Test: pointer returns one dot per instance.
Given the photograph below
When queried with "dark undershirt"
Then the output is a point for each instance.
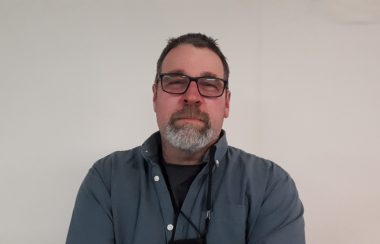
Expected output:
(180, 179)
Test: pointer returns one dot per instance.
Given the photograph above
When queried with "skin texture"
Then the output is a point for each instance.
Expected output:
(195, 62)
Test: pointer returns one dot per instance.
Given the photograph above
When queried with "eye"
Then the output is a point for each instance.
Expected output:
(173, 83)
(173, 80)
(211, 83)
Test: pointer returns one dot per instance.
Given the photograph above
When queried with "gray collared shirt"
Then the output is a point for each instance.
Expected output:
(124, 199)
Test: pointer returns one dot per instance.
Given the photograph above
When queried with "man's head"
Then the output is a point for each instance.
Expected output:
(190, 114)
(197, 40)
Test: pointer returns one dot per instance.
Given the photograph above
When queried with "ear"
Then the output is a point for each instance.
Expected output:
(154, 90)
(227, 104)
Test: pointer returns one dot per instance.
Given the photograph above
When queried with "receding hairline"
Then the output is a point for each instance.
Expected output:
(204, 73)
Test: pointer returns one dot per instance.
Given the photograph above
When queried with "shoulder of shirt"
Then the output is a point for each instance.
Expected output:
(255, 165)
(263, 177)
(119, 157)
(112, 162)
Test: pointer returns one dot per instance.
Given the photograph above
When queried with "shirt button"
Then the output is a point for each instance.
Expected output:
(156, 178)
(170, 227)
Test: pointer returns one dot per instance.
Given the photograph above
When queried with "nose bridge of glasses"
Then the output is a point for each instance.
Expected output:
(192, 88)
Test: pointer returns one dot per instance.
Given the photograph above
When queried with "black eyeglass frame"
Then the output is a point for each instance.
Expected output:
(195, 79)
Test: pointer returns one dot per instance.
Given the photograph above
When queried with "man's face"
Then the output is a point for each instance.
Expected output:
(191, 110)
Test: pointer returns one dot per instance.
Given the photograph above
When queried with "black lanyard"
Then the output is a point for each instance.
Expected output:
(177, 209)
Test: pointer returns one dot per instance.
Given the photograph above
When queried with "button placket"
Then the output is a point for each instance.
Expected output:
(164, 200)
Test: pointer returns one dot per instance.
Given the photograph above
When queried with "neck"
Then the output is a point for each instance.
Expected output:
(181, 157)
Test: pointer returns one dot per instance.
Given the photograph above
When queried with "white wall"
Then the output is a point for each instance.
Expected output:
(75, 85)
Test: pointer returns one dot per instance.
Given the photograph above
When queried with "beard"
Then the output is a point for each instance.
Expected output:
(188, 137)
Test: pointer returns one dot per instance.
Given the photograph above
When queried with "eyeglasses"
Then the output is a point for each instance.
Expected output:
(174, 83)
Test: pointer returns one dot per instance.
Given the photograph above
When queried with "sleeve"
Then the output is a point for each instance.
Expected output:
(280, 214)
(92, 221)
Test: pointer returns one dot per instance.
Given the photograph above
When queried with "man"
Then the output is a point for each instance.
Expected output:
(185, 184)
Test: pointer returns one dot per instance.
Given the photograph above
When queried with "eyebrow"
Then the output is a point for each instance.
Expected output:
(203, 74)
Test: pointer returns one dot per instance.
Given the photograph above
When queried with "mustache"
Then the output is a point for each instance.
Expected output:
(190, 111)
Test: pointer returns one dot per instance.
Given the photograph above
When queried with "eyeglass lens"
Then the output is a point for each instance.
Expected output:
(178, 84)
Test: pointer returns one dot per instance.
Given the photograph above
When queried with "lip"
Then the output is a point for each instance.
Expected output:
(191, 120)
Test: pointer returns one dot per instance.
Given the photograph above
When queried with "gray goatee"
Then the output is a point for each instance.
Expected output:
(189, 138)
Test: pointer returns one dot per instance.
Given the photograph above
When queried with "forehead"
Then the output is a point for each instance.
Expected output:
(193, 61)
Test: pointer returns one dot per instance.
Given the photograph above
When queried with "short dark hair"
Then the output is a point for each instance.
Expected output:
(197, 40)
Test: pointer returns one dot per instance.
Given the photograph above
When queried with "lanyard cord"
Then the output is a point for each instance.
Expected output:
(177, 209)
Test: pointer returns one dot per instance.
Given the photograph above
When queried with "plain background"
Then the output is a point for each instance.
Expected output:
(75, 85)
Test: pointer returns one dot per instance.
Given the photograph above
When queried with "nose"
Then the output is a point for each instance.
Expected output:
(192, 95)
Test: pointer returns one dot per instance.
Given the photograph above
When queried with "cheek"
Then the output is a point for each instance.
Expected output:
(217, 117)
(163, 112)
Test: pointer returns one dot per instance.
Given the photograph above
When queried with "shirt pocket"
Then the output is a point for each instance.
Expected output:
(228, 224)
